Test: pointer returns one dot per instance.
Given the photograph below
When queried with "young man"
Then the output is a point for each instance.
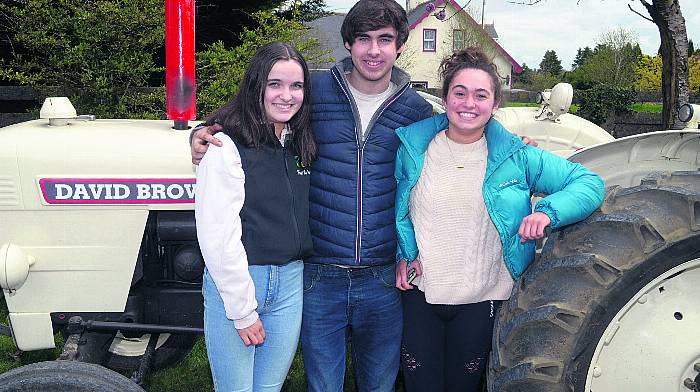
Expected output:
(349, 282)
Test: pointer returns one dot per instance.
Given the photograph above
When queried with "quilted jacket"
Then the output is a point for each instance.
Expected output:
(352, 183)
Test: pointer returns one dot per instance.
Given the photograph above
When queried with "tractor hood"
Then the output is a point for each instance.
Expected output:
(113, 162)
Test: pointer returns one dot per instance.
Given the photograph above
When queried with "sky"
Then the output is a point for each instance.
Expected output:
(526, 32)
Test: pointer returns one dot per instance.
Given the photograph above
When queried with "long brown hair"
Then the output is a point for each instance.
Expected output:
(243, 118)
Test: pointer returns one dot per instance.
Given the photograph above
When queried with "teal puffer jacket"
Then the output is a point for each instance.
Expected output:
(513, 172)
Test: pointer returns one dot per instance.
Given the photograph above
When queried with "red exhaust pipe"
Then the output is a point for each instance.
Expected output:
(180, 83)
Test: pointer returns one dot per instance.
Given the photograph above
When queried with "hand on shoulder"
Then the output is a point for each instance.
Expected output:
(201, 139)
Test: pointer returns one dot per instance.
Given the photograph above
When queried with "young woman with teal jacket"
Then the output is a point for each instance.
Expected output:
(465, 223)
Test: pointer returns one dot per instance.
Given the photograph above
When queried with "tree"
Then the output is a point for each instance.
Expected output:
(76, 45)
(581, 56)
(304, 11)
(88, 46)
(666, 14)
(694, 73)
(524, 78)
(613, 61)
(648, 74)
(550, 64)
(691, 48)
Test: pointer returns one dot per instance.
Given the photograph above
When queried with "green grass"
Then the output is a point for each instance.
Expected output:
(521, 104)
(646, 107)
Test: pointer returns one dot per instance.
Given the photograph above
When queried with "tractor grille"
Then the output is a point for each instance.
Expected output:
(8, 192)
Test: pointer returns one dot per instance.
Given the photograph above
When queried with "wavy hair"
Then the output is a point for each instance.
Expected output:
(469, 58)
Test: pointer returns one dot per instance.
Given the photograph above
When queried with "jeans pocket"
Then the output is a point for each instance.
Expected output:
(311, 276)
(387, 275)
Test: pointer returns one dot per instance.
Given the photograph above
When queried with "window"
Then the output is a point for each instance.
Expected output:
(458, 39)
(429, 40)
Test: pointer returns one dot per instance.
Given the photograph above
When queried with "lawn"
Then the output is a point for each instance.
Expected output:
(646, 107)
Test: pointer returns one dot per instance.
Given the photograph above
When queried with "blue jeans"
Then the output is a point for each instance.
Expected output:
(237, 367)
(362, 302)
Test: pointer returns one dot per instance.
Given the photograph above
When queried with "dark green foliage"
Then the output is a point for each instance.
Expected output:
(601, 100)
(581, 56)
(691, 48)
(104, 54)
(524, 78)
(102, 50)
(550, 64)
(306, 10)
(224, 20)
(608, 64)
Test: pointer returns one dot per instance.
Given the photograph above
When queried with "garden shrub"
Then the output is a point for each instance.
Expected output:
(597, 103)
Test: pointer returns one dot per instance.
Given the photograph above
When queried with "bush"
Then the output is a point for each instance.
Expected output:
(597, 103)
(102, 50)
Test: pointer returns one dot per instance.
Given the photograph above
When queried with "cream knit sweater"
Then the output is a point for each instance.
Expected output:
(458, 244)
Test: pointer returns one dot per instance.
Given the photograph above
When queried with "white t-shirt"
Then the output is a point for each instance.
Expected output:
(367, 105)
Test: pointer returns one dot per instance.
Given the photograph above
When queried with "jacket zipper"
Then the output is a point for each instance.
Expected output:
(360, 150)
(292, 210)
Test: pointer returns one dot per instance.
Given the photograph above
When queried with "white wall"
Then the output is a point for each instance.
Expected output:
(423, 66)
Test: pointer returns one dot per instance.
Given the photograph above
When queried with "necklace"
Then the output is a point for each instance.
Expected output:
(452, 155)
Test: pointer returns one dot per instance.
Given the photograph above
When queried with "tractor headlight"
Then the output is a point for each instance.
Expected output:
(685, 112)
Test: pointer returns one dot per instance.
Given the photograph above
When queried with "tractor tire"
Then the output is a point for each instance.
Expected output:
(126, 353)
(65, 376)
(611, 305)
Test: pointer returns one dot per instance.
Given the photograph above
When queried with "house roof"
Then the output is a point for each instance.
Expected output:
(327, 31)
(418, 14)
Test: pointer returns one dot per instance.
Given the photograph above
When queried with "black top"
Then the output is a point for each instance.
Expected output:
(275, 213)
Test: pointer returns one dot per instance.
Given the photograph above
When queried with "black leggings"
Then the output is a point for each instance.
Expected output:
(444, 347)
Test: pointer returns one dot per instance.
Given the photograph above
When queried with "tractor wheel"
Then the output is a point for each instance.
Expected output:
(125, 353)
(612, 304)
(65, 376)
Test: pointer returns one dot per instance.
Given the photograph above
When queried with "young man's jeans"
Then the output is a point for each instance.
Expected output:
(365, 300)
(235, 367)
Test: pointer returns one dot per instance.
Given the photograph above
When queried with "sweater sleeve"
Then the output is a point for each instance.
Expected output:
(574, 192)
(219, 198)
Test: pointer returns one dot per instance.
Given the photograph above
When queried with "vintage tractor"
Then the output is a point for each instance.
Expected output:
(97, 236)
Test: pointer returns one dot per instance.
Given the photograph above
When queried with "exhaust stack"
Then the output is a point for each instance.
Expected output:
(180, 83)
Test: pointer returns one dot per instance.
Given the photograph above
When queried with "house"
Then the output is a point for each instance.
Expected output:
(439, 28)
(430, 40)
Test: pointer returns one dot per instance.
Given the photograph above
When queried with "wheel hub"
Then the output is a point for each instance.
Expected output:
(647, 345)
